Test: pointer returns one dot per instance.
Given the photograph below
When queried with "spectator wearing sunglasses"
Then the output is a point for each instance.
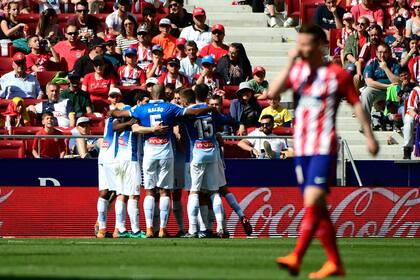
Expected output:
(413, 24)
(87, 25)
(216, 48)
(179, 17)
(78, 97)
(115, 20)
(270, 148)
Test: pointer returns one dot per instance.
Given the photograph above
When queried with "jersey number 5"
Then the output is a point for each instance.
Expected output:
(204, 127)
(155, 119)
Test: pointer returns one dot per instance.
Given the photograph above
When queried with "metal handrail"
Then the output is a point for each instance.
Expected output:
(345, 148)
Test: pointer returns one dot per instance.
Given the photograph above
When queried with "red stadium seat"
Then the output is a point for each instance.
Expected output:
(12, 149)
(307, 10)
(45, 77)
(6, 63)
(28, 18)
(27, 130)
(293, 8)
(96, 121)
(231, 150)
(226, 106)
(230, 92)
(263, 103)
(96, 130)
(283, 131)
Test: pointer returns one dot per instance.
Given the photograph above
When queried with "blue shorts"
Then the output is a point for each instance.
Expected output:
(319, 171)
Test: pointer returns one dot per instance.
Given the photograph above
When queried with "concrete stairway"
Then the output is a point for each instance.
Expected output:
(268, 47)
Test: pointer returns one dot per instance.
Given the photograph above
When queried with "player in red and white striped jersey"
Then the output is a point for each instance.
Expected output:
(411, 117)
(318, 88)
(130, 74)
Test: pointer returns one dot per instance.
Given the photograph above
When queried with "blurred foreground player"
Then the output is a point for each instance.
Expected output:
(318, 88)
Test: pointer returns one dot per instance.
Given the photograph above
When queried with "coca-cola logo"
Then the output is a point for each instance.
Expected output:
(3, 199)
(363, 212)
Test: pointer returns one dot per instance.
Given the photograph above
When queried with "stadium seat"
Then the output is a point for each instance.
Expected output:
(12, 149)
(231, 150)
(27, 130)
(230, 92)
(263, 103)
(226, 106)
(45, 77)
(100, 106)
(333, 40)
(97, 130)
(6, 63)
(96, 121)
(293, 8)
(283, 131)
(307, 10)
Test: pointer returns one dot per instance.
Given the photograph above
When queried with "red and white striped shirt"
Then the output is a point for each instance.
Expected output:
(180, 81)
(318, 95)
(131, 76)
(144, 57)
(414, 67)
(414, 100)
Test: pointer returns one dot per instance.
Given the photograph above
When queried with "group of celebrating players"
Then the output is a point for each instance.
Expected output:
(142, 144)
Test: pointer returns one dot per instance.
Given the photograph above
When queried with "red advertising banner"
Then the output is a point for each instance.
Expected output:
(273, 211)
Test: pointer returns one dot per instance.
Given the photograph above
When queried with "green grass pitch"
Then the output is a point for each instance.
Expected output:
(205, 259)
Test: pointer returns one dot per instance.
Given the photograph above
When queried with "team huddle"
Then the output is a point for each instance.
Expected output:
(139, 147)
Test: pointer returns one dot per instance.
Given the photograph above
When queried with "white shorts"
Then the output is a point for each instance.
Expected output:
(128, 177)
(107, 177)
(187, 176)
(158, 173)
(179, 170)
(207, 176)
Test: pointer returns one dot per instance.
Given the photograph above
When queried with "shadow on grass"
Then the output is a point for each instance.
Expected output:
(14, 277)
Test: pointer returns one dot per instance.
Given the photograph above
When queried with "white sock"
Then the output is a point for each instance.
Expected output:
(231, 199)
(218, 210)
(193, 207)
(210, 218)
(156, 214)
(102, 207)
(133, 213)
(179, 214)
(164, 206)
(202, 217)
(149, 208)
(120, 209)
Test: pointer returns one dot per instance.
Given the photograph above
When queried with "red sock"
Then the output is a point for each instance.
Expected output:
(326, 234)
(307, 230)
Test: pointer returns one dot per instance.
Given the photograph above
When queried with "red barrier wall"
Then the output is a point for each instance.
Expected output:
(273, 211)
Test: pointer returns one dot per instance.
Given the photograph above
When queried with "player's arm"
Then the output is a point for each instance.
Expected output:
(120, 126)
(279, 84)
(158, 129)
(120, 114)
(198, 111)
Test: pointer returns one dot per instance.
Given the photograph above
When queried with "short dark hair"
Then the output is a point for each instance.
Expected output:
(376, 27)
(84, 3)
(191, 43)
(217, 97)
(188, 94)
(404, 70)
(181, 2)
(201, 92)
(316, 31)
(383, 44)
(47, 114)
(265, 117)
(139, 95)
(148, 11)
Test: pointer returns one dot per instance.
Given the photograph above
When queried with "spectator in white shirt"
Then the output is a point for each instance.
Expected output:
(114, 21)
(199, 31)
(191, 65)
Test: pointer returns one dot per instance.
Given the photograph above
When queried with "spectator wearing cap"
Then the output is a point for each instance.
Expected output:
(97, 83)
(258, 83)
(368, 9)
(84, 65)
(329, 15)
(70, 49)
(165, 39)
(18, 83)
(179, 17)
(62, 109)
(144, 47)
(88, 25)
(413, 24)
(114, 98)
(149, 21)
(83, 147)
(79, 99)
(245, 110)
(235, 66)
(128, 36)
(397, 41)
(191, 65)
(130, 74)
(39, 60)
(48, 147)
(199, 31)
(150, 82)
(344, 34)
(173, 76)
(209, 77)
(110, 54)
(156, 68)
(114, 21)
(180, 48)
(216, 48)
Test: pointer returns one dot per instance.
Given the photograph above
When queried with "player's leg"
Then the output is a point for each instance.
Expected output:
(203, 214)
(193, 204)
(120, 216)
(150, 181)
(165, 184)
(233, 203)
(132, 189)
(107, 187)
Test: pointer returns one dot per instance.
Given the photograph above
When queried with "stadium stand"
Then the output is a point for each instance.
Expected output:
(12, 149)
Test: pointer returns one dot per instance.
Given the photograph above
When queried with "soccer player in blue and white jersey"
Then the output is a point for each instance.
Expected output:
(207, 173)
(128, 174)
(158, 160)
